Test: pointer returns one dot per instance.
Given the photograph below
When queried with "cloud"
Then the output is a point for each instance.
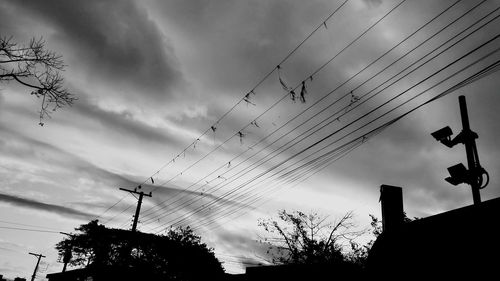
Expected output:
(373, 3)
(8, 27)
(45, 154)
(254, 251)
(168, 192)
(175, 204)
(255, 35)
(124, 122)
(57, 166)
(116, 41)
(11, 269)
(37, 205)
(12, 247)
(49, 172)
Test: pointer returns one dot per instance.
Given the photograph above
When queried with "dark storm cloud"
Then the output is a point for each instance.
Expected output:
(265, 32)
(37, 205)
(116, 40)
(8, 27)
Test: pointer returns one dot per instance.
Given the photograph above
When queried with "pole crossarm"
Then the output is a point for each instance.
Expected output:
(39, 257)
(139, 203)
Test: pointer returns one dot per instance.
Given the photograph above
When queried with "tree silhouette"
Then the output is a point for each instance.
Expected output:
(36, 68)
(299, 238)
(359, 253)
(169, 257)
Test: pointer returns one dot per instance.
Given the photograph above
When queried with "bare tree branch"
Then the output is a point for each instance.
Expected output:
(38, 69)
(300, 238)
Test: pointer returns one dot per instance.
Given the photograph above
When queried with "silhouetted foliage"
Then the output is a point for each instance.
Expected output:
(359, 253)
(299, 238)
(36, 68)
(177, 255)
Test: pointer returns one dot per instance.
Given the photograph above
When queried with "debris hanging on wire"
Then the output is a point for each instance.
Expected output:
(354, 99)
(303, 92)
(213, 130)
(43, 110)
(247, 98)
(254, 122)
(195, 142)
(282, 81)
(286, 88)
(293, 96)
(241, 135)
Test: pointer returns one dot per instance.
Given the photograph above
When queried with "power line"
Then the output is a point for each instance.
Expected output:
(117, 215)
(454, 37)
(431, 87)
(314, 168)
(309, 36)
(478, 75)
(352, 77)
(286, 95)
(24, 224)
(486, 71)
(110, 207)
(242, 98)
(29, 229)
(371, 111)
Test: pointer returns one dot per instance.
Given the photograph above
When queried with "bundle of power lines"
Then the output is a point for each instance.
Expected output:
(341, 119)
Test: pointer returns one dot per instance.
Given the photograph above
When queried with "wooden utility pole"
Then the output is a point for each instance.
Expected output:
(139, 203)
(39, 256)
(68, 253)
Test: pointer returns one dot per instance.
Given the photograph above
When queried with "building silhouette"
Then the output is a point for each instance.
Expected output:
(457, 243)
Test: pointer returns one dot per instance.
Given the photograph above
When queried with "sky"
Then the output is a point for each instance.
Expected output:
(184, 98)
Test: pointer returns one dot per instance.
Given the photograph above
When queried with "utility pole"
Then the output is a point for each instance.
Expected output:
(473, 175)
(39, 256)
(139, 203)
(67, 254)
(471, 150)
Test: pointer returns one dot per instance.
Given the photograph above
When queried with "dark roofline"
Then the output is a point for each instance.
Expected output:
(451, 243)
(485, 207)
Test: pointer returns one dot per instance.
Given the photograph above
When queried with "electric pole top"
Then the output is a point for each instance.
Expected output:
(139, 203)
(39, 257)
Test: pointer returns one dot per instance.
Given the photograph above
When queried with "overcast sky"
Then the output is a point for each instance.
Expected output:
(153, 76)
